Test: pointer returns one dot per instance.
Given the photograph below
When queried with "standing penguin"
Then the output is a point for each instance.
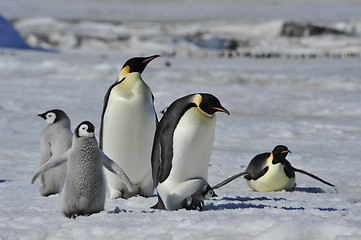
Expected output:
(127, 129)
(56, 139)
(182, 149)
(270, 172)
(84, 188)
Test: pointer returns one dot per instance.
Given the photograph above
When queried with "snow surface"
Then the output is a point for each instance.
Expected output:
(310, 105)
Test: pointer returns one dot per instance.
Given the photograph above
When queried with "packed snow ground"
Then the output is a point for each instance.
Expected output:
(310, 105)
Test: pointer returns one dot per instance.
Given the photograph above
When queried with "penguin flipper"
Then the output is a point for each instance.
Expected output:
(228, 180)
(313, 176)
(53, 162)
(114, 168)
(155, 112)
(259, 174)
(155, 162)
(105, 104)
(289, 170)
(257, 166)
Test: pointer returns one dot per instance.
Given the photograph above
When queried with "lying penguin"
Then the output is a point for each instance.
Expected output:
(84, 187)
(269, 172)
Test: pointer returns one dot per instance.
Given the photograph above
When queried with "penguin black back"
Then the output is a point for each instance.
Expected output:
(164, 132)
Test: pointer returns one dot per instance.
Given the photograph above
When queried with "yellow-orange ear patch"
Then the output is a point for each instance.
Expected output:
(125, 70)
(271, 156)
(197, 99)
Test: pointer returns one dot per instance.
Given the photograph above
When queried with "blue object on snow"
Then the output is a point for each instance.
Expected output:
(11, 38)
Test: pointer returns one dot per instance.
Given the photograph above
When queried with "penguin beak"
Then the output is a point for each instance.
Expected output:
(287, 151)
(42, 115)
(148, 59)
(221, 110)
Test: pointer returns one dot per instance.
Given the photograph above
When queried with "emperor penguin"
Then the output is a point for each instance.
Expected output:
(84, 187)
(127, 129)
(269, 172)
(196, 200)
(182, 149)
(56, 139)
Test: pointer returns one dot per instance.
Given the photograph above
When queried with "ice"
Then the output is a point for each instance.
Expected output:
(307, 98)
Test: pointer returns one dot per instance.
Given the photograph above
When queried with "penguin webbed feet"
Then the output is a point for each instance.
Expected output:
(193, 202)
(75, 215)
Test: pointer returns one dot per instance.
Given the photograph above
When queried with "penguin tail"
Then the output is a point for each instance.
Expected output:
(228, 180)
(313, 176)
(159, 205)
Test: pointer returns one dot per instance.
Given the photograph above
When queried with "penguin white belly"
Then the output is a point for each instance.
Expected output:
(275, 179)
(128, 132)
(192, 146)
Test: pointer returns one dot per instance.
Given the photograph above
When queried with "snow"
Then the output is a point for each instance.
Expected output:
(311, 105)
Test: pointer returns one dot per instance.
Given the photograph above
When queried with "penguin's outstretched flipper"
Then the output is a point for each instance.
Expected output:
(114, 168)
(53, 162)
(228, 180)
(313, 176)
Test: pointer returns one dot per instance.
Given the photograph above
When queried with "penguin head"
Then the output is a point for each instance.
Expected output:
(85, 129)
(208, 192)
(136, 64)
(209, 104)
(279, 154)
(53, 116)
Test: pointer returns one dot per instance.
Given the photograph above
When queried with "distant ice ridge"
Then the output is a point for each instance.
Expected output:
(244, 39)
(11, 38)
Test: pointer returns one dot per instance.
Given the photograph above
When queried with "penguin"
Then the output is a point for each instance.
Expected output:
(84, 187)
(196, 200)
(182, 148)
(269, 172)
(127, 129)
(56, 139)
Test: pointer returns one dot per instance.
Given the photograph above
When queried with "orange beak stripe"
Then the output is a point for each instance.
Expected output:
(219, 109)
(148, 59)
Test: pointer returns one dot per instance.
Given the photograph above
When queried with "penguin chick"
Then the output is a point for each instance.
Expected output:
(196, 200)
(182, 148)
(271, 172)
(56, 139)
(127, 129)
(189, 194)
(84, 188)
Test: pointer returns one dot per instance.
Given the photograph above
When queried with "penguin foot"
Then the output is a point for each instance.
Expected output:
(192, 203)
